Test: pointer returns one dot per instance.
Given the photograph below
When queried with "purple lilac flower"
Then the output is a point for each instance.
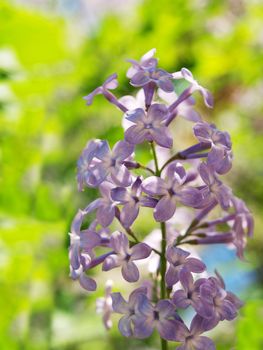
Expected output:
(191, 339)
(171, 189)
(221, 304)
(132, 200)
(77, 241)
(214, 189)
(162, 316)
(146, 72)
(243, 226)
(149, 126)
(110, 83)
(124, 256)
(110, 164)
(105, 206)
(184, 109)
(104, 305)
(86, 162)
(190, 294)
(128, 309)
(147, 63)
(195, 86)
(220, 156)
(179, 259)
(122, 193)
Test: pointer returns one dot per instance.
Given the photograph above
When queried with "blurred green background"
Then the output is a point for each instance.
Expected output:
(51, 54)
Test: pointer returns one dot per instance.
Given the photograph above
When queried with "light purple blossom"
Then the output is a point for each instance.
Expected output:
(190, 294)
(128, 309)
(104, 305)
(194, 190)
(132, 200)
(179, 259)
(162, 316)
(110, 164)
(146, 72)
(243, 226)
(146, 63)
(149, 126)
(195, 86)
(220, 156)
(184, 109)
(171, 189)
(221, 304)
(125, 256)
(104, 206)
(214, 189)
(191, 339)
(87, 161)
(110, 83)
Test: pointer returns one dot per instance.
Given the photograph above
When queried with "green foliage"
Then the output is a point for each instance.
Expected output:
(44, 124)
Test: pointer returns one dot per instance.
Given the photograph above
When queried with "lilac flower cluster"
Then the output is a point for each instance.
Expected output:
(179, 182)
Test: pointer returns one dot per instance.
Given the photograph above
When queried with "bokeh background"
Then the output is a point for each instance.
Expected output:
(51, 54)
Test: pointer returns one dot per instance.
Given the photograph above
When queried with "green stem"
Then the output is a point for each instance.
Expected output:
(164, 344)
(157, 171)
(163, 260)
(177, 156)
(146, 168)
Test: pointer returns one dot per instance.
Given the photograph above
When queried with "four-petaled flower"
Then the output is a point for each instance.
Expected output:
(149, 126)
(220, 156)
(128, 309)
(146, 72)
(190, 294)
(110, 164)
(214, 189)
(110, 83)
(104, 305)
(171, 189)
(243, 226)
(124, 256)
(132, 200)
(179, 259)
(81, 255)
(105, 206)
(221, 304)
(195, 86)
(191, 339)
(86, 161)
(162, 316)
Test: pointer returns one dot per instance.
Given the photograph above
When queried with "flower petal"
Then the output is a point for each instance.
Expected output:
(119, 305)
(171, 276)
(143, 327)
(119, 243)
(180, 299)
(111, 262)
(121, 176)
(125, 326)
(140, 251)
(203, 343)
(164, 209)
(135, 134)
(154, 185)
(122, 150)
(87, 282)
(105, 215)
(162, 137)
(195, 265)
(139, 79)
(129, 213)
(130, 272)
